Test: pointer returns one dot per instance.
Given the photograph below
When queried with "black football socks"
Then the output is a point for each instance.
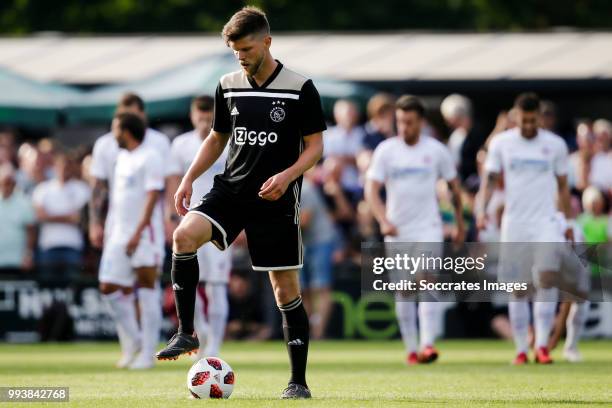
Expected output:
(185, 276)
(296, 334)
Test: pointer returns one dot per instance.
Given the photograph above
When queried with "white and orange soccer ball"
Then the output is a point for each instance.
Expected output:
(211, 377)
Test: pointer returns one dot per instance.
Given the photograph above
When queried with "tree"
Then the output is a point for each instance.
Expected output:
(188, 16)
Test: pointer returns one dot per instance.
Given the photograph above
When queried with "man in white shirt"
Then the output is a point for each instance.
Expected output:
(534, 163)
(409, 166)
(58, 203)
(215, 265)
(132, 245)
(118, 293)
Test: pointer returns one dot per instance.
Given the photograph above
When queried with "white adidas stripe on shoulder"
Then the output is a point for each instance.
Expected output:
(263, 94)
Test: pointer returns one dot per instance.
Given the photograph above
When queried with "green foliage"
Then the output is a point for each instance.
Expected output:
(181, 16)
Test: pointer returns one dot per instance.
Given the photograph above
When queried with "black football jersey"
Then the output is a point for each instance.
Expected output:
(266, 124)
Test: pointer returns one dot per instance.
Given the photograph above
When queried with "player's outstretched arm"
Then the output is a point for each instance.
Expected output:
(275, 186)
(209, 152)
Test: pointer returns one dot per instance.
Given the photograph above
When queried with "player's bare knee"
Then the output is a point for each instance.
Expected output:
(285, 293)
(183, 242)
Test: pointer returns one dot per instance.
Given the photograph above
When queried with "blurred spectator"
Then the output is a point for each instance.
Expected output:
(59, 203)
(340, 203)
(344, 141)
(580, 160)
(46, 156)
(8, 154)
(381, 124)
(318, 232)
(465, 139)
(367, 224)
(548, 115)
(246, 318)
(457, 112)
(18, 236)
(594, 222)
(30, 171)
(600, 174)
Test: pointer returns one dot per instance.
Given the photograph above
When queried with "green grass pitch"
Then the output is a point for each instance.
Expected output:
(341, 374)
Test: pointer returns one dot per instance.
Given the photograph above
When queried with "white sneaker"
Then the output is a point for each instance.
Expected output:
(572, 355)
(143, 361)
(127, 357)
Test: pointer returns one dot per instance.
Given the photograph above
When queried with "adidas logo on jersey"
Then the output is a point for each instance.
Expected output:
(234, 111)
(176, 286)
(296, 342)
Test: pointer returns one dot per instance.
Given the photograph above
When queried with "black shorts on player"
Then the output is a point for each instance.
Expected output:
(272, 227)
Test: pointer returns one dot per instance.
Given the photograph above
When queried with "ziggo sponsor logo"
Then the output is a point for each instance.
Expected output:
(244, 136)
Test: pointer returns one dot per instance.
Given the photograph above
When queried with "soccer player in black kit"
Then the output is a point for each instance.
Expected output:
(273, 119)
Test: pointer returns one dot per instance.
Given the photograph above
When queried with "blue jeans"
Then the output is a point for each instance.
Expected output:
(61, 264)
(317, 270)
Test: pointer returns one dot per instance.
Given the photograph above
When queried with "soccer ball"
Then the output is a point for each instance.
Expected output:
(211, 377)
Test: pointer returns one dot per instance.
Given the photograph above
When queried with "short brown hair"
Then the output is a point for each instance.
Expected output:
(133, 124)
(411, 103)
(203, 103)
(380, 104)
(249, 20)
(528, 102)
(131, 99)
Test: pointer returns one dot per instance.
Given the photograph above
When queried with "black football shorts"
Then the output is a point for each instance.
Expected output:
(272, 227)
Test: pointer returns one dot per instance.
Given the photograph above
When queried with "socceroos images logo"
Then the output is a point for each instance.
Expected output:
(277, 114)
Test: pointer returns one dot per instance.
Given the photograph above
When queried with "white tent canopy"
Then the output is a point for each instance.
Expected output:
(356, 57)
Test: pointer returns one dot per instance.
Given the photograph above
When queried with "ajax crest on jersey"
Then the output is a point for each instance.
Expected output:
(277, 114)
(211, 377)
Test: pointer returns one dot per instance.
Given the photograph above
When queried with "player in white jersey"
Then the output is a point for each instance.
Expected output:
(409, 166)
(534, 165)
(116, 289)
(215, 265)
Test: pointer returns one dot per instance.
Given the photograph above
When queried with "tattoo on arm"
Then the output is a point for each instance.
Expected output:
(98, 206)
(487, 188)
